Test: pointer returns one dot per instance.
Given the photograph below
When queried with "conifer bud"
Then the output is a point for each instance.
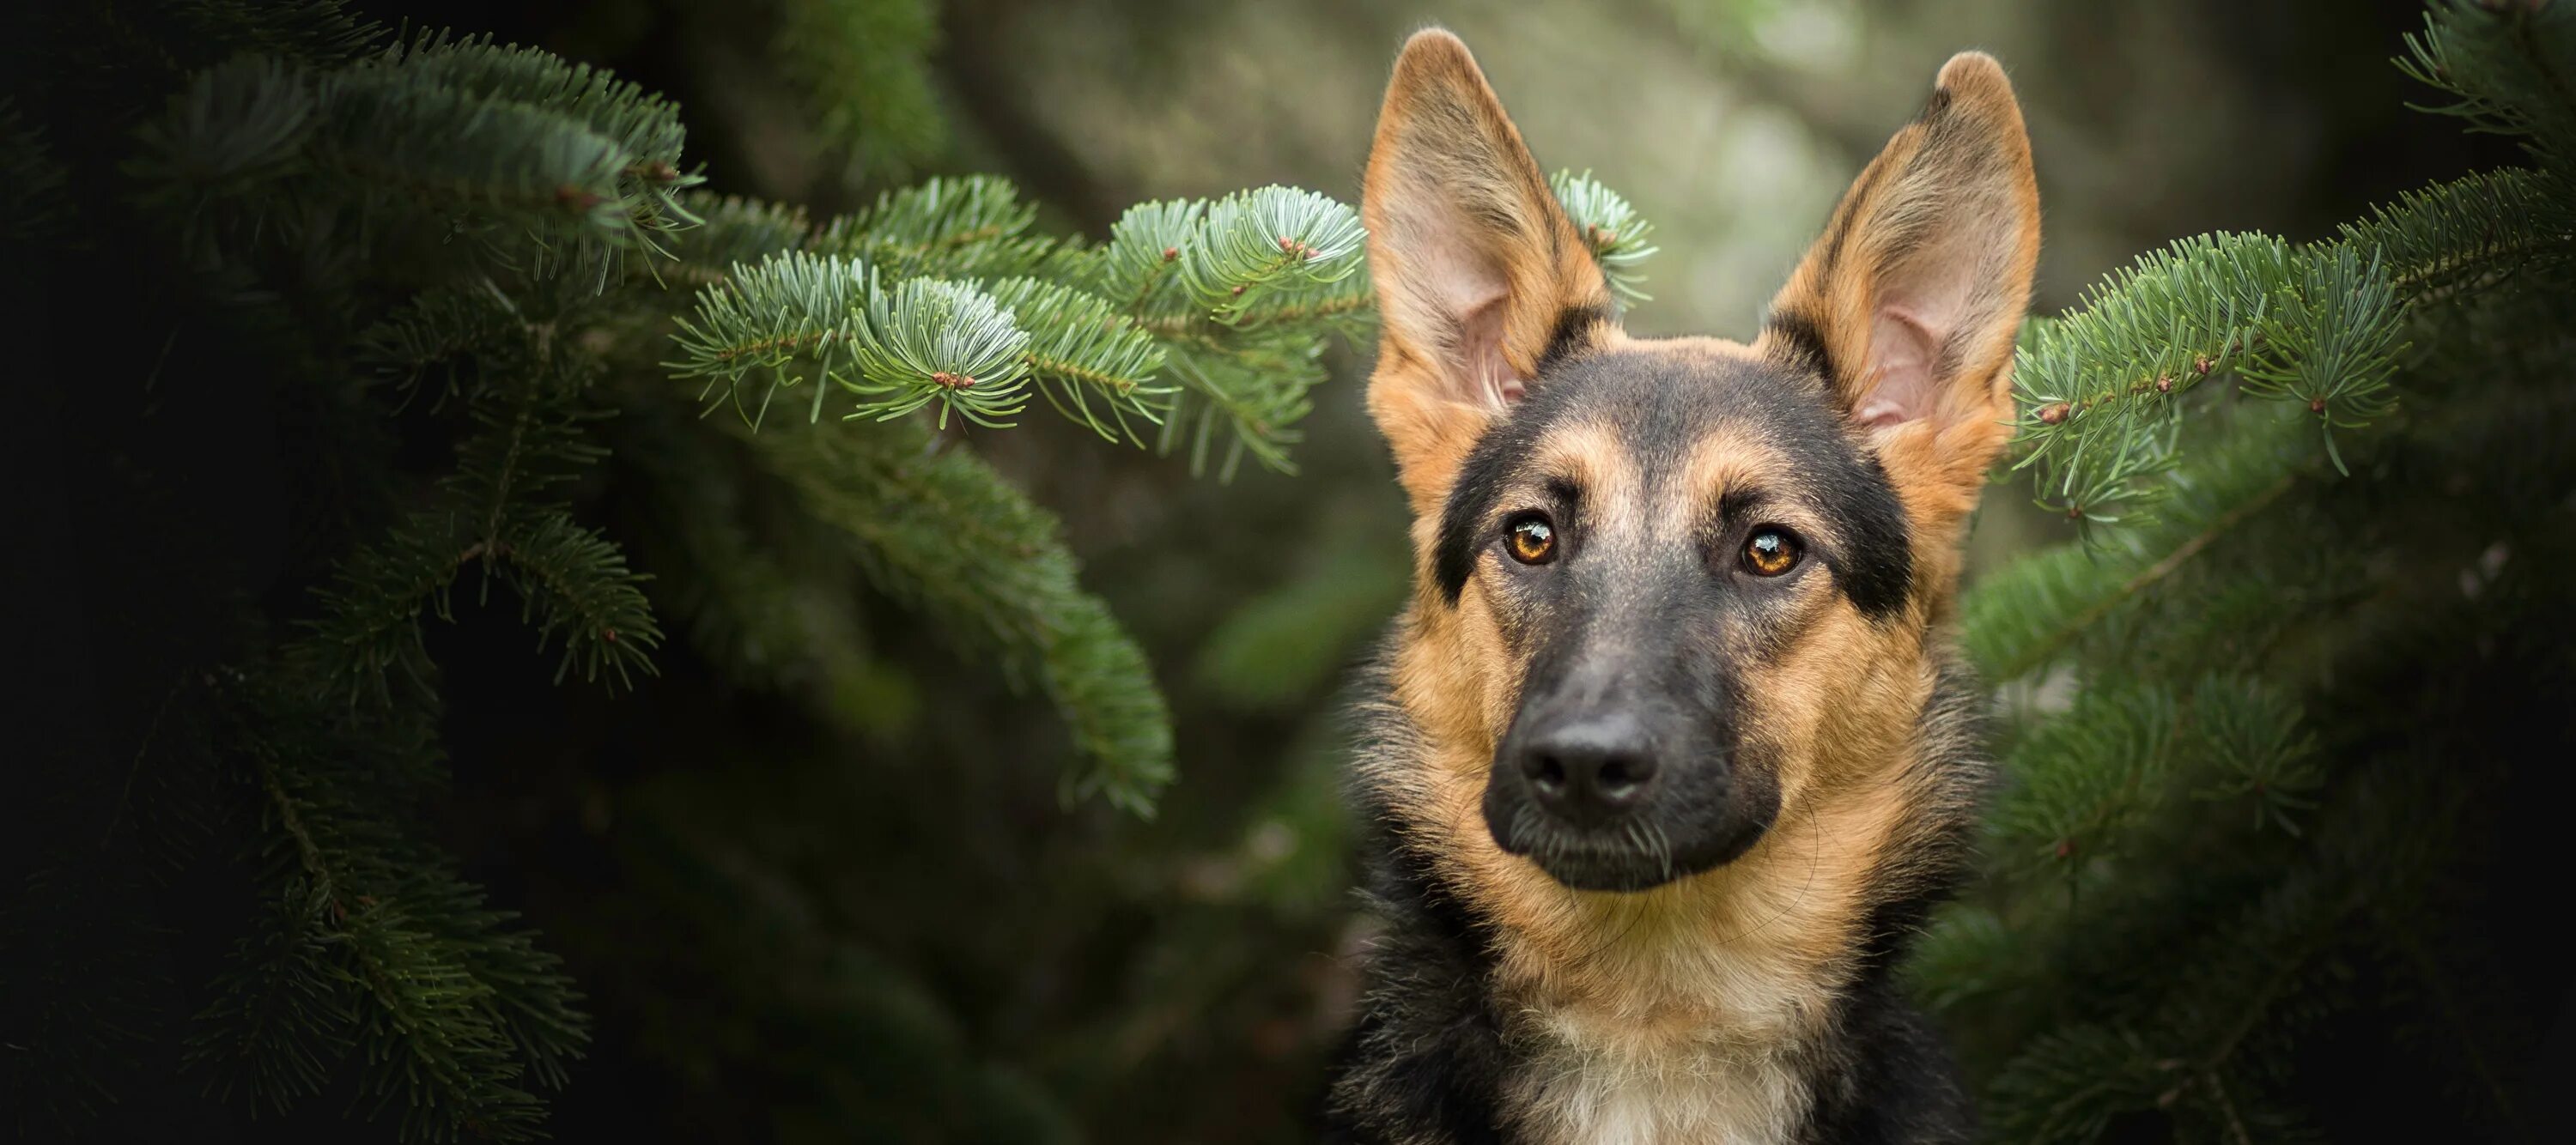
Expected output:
(2052, 413)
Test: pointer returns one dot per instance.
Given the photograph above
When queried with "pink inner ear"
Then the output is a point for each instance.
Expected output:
(1902, 349)
(1464, 297)
(1485, 375)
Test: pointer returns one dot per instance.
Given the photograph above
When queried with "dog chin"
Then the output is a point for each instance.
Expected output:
(1620, 865)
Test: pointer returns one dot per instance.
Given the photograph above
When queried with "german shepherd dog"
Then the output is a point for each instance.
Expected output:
(1668, 757)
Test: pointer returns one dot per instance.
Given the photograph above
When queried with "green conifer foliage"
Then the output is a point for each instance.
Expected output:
(488, 294)
(2252, 719)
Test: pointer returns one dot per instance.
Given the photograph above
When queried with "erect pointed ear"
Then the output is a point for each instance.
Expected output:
(1911, 300)
(1479, 273)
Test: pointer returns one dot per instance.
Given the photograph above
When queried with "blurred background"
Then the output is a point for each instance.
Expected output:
(933, 947)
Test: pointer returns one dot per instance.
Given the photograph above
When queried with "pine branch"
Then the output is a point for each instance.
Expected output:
(1250, 392)
(896, 349)
(2084, 782)
(1614, 230)
(368, 636)
(930, 341)
(777, 320)
(1082, 349)
(511, 136)
(2459, 236)
(495, 509)
(474, 326)
(2100, 391)
(2071, 1084)
(493, 221)
(944, 227)
(970, 350)
(940, 531)
(523, 990)
(763, 606)
(2512, 67)
(1236, 290)
(280, 1022)
(2250, 985)
(731, 230)
(2331, 346)
(308, 31)
(389, 955)
(2025, 616)
(1227, 262)
(429, 1036)
(2164, 670)
(574, 586)
(2252, 743)
(2097, 390)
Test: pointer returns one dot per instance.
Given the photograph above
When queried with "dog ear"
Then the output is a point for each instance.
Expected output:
(1478, 271)
(1910, 302)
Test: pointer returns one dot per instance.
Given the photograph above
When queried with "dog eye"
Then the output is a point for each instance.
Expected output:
(1770, 551)
(1531, 539)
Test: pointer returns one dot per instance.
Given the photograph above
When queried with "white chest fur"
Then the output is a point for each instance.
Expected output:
(1712, 1054)
(1587, 1091)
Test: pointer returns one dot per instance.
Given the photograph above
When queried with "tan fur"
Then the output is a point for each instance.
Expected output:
(1674, 1013)
(1968, 154)
(1445, 155)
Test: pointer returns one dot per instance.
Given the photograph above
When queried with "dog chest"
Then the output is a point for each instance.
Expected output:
(1576, 1095)
(1596, 1080)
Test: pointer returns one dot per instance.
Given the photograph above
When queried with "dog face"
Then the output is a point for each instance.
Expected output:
(1671, 591)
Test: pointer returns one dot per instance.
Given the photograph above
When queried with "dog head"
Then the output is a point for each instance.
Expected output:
(1669, 590)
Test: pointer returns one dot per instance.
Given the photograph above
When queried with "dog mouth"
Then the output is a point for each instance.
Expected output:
(1638, 855)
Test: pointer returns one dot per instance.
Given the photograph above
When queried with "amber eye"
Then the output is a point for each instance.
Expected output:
(1770, 551)
(1532, 539)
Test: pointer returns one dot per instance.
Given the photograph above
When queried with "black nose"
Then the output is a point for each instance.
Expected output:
(1592, 769)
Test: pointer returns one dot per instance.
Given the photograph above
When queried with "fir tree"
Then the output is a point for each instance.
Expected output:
(482, 289)
(2256, 719)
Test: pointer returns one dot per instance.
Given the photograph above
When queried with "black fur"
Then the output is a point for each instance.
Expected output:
(1573, 332)
(1802, 341)
(1896, 1082)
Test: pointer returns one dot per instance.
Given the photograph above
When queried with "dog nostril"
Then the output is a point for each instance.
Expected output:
(1622, 779)
(1550, 776)
(1616, 779)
